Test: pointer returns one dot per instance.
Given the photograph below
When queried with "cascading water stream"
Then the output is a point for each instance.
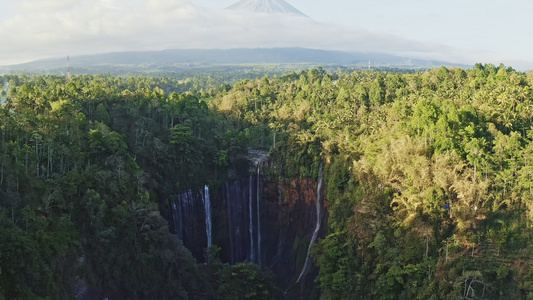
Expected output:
(208, 221)
(188, 220)
(228, 198)
(250, 214)
(258, 207)
(241, 235)
(188, 224)
(319, 189)
(176, 212)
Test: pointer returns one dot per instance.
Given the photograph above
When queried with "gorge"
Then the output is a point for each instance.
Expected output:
(377, 185)
(254, 219)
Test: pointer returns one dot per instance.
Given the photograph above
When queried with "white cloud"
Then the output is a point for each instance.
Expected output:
(44, 28)
(46, 5)
(167, 5)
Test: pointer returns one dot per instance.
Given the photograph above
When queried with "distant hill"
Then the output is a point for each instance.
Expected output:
(182, 60)
(266, 6)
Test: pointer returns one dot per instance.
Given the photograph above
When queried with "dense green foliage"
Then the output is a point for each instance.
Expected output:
(85, 168)
(428, 179)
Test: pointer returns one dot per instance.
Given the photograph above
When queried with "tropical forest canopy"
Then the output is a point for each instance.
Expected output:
(428, 181)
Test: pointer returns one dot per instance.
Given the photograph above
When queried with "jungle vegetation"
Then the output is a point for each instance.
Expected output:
(428, 179)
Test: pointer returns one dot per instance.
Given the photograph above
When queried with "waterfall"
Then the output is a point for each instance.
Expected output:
(257, 157)
(319, 188)
(250, 216)
(208, 221)
(186, 208)
(228, 199)
(176, 212)
(244, 238)
(231, 217)
(188, 216)
(258, 208)
(180, 220)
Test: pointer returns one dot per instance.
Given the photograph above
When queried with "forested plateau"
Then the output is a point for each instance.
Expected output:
(377, 185)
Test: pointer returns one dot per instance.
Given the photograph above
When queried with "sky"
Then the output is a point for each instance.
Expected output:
(456, 31)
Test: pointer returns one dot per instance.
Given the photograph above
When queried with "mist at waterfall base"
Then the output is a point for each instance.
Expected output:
(254, 220)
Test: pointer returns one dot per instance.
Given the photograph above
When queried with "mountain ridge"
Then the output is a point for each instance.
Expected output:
(177, 60)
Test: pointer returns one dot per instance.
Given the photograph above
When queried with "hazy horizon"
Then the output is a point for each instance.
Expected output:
(456, 32)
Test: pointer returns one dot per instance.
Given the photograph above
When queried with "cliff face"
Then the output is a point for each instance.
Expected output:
(291, 218)
(256, 220)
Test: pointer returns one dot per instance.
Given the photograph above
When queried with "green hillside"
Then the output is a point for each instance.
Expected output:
(428, 179)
